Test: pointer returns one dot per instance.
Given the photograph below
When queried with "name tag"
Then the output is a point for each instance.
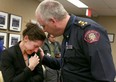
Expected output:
(69, 47)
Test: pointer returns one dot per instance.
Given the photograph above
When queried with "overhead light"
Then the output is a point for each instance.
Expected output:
(78, 3)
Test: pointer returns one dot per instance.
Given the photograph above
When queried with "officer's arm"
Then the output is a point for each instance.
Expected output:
(98, 49)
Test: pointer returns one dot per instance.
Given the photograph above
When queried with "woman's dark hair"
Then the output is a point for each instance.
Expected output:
(34, 32)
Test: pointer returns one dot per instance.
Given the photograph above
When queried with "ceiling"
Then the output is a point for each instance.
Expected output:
(98, 7)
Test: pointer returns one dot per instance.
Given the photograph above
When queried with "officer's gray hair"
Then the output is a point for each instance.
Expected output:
(51, 9)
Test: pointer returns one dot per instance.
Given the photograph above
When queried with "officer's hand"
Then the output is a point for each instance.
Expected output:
(41, 53)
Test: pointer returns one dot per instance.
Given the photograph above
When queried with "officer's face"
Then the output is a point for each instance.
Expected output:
(50, 26)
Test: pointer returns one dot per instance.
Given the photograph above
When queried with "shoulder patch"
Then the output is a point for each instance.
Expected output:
(91, 36)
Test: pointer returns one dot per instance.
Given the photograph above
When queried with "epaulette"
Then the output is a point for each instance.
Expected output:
(83, 24)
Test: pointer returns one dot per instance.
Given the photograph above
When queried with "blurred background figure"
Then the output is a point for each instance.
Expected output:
(1, 44)
(1, 49)
(51, 48)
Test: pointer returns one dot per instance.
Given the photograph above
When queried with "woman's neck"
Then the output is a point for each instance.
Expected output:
(21, 45)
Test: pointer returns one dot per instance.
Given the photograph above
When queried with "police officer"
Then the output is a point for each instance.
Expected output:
(86, 51)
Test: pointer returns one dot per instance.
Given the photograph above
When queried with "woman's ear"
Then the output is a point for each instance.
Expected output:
(26, 38)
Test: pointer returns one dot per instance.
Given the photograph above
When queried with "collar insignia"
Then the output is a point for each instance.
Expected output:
(82, 23)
